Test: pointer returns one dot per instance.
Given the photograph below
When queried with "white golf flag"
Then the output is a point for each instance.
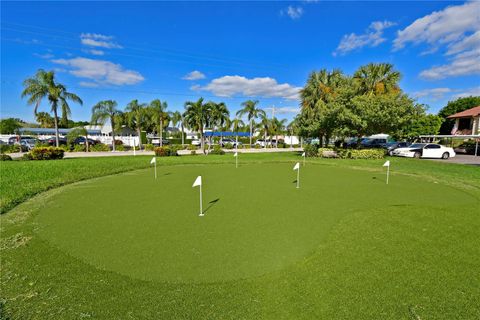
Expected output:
(235, 154)
(297, 166)
(303, 154)
(198, 182)
(154, 160)
(387, 164)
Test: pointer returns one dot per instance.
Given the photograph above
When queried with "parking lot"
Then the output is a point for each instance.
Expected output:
(462, 159)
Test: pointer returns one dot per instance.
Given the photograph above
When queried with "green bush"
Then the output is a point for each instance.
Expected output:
(257, 146)
(327, 153)
(47, 153)
(310, 150)
(192, 147)
(120, 147)
(79, 148)
(5, 157)
(165, 152)
(26, 157)
(10, 148)
(193, 152)
(367, 154)
(217, 150)
(99, 147)
(149, 147)
(229, 146)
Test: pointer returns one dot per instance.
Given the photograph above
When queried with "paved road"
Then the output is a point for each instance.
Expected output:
(462, 159)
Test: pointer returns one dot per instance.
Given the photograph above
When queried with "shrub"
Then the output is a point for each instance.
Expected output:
(217, 150)
(118, 142)
(229, 146)
(120, 147)
(311, 150)
(257, 146)
(193, 152)
(165, 152)
(99, 147)
(79, 148)
(5, 157)
(149, 147)
(10, 148)
(191, 147)
(47, 153)
(367, 154)
(327, 153)
(26, 157)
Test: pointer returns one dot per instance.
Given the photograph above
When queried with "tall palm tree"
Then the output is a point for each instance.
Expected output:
(237, 125)
(160, 116)
(265, 126)
(103, 111)
(196, 116)
(43, 86)
(278, 127)
(177, 118)
(320, 87)
(219, 115)
(137, 117)
(44, 119)
(250, 109)
(377, 78)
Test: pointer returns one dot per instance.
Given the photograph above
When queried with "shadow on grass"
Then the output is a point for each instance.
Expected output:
(211, 204)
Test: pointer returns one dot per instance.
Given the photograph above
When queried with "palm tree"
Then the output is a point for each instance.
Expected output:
(177, 118)
(219, 115)
(252, 112)
(103, 111)
(320, 87)
(43, 86)
(237, 125)
(160, 116)
(278, 127)
(265, 127)
(291, 128)
(136, 118)
(377, 78)
(196, 116)
(44, 119)
(79, 132)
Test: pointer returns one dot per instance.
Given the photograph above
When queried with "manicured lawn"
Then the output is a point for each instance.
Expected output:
(343, 246)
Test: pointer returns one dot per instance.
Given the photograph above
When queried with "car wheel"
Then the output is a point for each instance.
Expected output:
(390, 153)
(417, 155)
(445, 155)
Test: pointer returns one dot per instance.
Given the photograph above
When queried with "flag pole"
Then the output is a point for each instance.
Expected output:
(236, 161)
(201, 208)
(388, 172)
(304, 156)
(298, 177)
(155, 168)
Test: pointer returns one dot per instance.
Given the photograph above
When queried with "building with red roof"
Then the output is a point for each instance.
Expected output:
(466, 122)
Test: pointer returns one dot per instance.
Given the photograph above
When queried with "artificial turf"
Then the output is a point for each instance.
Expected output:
(343, 246)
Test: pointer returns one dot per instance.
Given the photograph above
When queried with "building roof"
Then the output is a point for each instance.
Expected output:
(475, 111)
(51, 131)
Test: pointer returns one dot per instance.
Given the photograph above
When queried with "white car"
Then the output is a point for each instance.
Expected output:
(196, 142)
(425, 150)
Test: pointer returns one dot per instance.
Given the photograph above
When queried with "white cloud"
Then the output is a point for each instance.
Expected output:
(228, 86)
(94, 52)
(372, 37)
(469, 92)
(44, 56)
(445, 26)
(99, 40)
(471, 42)
(284, 110)
(100, 72)
(432, 94)
(293, 12)
(462, 64)
(194, 75)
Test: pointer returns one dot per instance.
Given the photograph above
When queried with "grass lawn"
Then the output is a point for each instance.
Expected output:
(343, 246)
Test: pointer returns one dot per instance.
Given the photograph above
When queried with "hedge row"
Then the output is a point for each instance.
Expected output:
(351, 153)
(45, 153)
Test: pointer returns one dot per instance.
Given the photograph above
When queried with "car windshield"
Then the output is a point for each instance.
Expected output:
(418, 145)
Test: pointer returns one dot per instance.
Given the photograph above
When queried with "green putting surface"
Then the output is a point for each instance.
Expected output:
(256, 221)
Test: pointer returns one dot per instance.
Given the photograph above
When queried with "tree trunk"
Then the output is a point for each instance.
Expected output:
(202, 142)
(139, 139)
(183, 141)
(161, 133)
(112, 122)
(86, 143)
(265, 139)
(55, 118)
(251, 128)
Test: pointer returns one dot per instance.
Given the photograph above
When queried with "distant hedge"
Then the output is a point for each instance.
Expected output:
(351, 153)
(46, 153)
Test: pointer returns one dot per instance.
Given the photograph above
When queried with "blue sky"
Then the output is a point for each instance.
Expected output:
(233, 51)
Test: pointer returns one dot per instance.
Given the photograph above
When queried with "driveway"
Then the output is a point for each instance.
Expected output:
(462, 159)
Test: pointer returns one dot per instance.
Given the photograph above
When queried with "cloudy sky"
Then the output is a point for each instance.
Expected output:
(234, 51)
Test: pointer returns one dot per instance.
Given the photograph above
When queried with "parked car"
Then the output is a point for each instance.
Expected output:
(196, 142)
(224, 142)
(373, 143)
(391, 146)
(156, 142)
(466, 148)
(28, 144)
(81, 141)
(52, 141)
(425, 150)
(262, 142)
(18, 140)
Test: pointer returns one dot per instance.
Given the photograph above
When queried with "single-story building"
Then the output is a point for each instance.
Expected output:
(466, 122)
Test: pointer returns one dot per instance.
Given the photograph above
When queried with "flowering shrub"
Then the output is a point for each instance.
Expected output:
(46, 153)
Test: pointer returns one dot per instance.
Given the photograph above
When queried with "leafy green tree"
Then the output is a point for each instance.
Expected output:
(377, 78)
(43, 86)
(137, 117)
(237, 125)
(78, 132)
(104, 111)
(250, 109)
(159, 115)
(45, 120)
(196, 116)
(452, 107)
(424, 124)
(9, 125)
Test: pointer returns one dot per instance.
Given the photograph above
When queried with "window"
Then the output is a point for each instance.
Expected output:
(464, 123)
(432, 146)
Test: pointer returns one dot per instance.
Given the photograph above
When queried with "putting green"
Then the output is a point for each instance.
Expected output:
(255, 220)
